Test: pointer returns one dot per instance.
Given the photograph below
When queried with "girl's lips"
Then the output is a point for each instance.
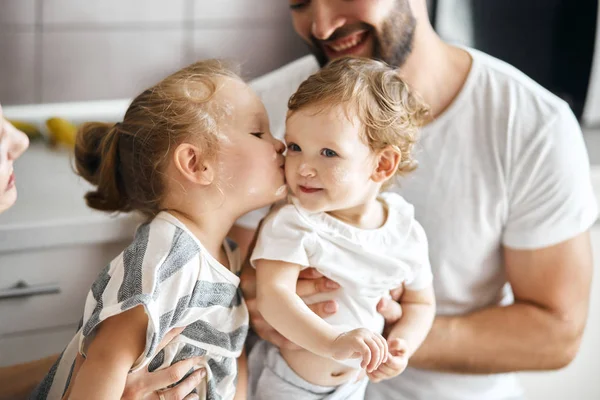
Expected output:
(308, 189)
(11, 181)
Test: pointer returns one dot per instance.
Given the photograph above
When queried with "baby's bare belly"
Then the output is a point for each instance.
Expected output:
(316, 369)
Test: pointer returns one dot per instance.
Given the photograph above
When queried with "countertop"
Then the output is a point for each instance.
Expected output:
(51, 211)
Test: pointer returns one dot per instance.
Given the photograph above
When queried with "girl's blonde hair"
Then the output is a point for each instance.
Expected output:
(389, 111)
(126, 161)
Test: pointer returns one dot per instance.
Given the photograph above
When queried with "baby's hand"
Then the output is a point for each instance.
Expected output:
(361, 343)
(395, 364)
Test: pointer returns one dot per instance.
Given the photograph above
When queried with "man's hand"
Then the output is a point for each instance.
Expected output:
(310, 283)
(390, 309)
(395, 364)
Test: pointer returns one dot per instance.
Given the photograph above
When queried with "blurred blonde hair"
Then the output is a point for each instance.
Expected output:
(126, 161)
(389, 111)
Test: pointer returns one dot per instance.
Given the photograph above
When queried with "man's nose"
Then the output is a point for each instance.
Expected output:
(326, 19)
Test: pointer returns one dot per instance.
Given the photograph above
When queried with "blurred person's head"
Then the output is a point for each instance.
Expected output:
(13, 143)
(197, 141)
(381, 29)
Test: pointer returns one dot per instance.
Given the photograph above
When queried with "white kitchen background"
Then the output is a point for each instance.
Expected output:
(68, 50)
(75, 50)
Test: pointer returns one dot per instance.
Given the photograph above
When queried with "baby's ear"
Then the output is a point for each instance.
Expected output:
(388, 160)
(190, 163)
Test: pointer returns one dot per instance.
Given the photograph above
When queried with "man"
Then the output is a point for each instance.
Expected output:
(502, 190)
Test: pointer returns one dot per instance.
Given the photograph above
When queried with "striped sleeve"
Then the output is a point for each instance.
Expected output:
(157, 271)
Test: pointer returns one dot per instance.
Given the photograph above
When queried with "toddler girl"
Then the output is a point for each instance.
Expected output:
(193, 153)
(350, 129)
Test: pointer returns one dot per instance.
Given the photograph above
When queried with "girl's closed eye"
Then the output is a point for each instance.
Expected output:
(293, 147)
(298, 4)
(328, 153)
(257, 134)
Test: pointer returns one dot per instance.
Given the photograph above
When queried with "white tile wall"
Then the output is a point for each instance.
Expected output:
(69, 50)
(240, 9)
(17, 67)
(112, 11)
(104, 65)
(259, 50)
(17, 12)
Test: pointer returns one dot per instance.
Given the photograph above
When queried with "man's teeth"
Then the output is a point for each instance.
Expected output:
(346, 45)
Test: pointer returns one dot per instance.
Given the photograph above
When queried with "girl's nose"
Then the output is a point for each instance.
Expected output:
(279, 146)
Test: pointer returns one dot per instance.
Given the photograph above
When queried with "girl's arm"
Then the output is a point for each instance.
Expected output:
(283, 309)
(242, 378)
(418, 312)
(118, 343)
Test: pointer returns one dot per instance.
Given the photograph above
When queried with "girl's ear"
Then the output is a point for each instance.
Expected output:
(189, 162)
(388, 160)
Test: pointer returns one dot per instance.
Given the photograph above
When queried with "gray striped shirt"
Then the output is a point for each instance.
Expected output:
(179, 284)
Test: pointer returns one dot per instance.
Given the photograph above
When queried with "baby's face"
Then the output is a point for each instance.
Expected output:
(328, 165)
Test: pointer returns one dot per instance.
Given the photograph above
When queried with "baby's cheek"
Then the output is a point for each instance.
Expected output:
(341, 175)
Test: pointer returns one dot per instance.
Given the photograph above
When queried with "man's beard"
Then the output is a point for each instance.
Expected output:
(392, 44)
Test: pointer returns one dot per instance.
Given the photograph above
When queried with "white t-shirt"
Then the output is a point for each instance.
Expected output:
(504, 165)
(367, 263)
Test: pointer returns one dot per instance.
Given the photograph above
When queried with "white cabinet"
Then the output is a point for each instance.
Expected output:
(50, 242)
(581, 379)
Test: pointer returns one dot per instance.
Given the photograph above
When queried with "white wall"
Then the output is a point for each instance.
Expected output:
(65, 50)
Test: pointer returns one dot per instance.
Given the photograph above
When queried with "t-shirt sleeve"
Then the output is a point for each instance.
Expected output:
(416, 251)
(284, 236)
(550, 194)
(156, 271)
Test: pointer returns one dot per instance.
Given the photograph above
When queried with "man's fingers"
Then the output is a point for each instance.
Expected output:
(309, 273)
(168, 337)
(309, 287)
(173, 374)
(397, 293)
(185, 387)
(324, 308)
(390, 310)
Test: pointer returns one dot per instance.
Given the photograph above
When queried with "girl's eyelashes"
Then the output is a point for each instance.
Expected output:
(298, 4)
(257, 134)
(293, 147)
(328, 153)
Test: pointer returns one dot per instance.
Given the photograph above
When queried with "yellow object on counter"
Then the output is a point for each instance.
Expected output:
(61, 131)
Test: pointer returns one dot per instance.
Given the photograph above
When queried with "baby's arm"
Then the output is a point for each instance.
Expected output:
(418, 311)
(118, 343)
(286, 312)
(405, 337)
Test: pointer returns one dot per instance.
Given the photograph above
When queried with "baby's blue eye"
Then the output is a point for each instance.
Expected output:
(328, 153)
(293, 147)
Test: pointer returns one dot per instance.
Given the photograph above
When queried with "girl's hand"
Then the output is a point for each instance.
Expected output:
(361, 343)
(396, 363)
(144, 385)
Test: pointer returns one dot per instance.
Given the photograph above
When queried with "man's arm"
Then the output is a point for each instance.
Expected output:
(542, 330)
(244, 238)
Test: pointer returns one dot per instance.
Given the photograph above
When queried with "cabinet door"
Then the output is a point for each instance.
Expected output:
(580, 380)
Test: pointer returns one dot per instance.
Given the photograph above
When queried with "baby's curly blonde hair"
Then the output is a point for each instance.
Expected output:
(389, 111)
